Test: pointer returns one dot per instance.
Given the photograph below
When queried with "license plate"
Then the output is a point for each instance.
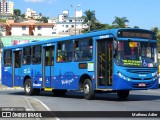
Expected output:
(142, 85)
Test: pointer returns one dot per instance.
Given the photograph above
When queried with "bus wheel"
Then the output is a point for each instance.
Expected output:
(123, 94)
(88, 90)
(28, 89)
(59, 92)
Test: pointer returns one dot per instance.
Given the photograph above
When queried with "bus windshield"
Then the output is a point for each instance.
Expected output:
(137, 54)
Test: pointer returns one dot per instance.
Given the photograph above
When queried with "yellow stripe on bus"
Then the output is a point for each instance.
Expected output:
(16, 87)
(48, 89)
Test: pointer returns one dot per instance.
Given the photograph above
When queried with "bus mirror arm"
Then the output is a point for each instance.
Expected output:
(115, 45)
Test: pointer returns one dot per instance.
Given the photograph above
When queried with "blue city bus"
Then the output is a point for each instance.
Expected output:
(114, 60)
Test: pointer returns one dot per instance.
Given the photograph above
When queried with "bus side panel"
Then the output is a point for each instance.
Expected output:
(7, 76)
(17, 77)
(36, 75)
(67, 76)
(26, 71)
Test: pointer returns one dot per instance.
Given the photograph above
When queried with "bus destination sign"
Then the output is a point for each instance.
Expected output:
(137, 34)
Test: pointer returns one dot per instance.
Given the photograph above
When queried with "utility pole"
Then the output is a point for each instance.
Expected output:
(75, 9)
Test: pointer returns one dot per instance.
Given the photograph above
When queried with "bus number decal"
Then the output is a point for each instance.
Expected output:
(17, 49)
(49, 44)
(103, 36)
(27, 70)
(6, 68)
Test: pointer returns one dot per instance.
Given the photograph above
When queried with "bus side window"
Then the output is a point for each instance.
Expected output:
(36, 55)
(65, 51)
(26, 55)
(18, 55)
(83, 49)
(7, 57)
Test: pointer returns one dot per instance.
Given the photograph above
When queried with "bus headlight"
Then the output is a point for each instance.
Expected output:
(123, 76)
(155, 78)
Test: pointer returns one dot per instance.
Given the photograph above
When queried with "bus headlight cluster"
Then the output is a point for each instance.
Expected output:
(123, 76)
(156, 77)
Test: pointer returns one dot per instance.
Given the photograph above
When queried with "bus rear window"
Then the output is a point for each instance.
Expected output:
(7, 58)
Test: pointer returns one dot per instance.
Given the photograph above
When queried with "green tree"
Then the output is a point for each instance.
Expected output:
(44, 19)
(101, 26)
(120, 22)
(2, 20)
(23, 15)
(89, 19)
(17, 12)
(40, 14)
(136, 27)
(155, 29)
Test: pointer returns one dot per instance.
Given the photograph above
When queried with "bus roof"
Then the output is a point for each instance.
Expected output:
(79, 36)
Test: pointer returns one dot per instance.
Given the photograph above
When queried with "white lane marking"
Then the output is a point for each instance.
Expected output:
(46, 107)
(30, 106)
(43, 104)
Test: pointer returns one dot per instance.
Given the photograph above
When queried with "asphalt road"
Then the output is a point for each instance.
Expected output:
(74, 101)
(148, 100)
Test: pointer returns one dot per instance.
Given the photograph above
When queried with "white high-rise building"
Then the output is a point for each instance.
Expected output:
(32, 14)
(67, 25)
(6, 7)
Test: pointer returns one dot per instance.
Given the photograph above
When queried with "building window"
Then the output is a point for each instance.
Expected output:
(39, 27)
(23, 27)
(72, 26)
(70, 20)
(66, 26)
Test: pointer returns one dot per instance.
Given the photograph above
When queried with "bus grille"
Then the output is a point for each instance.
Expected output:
(141, 78)
(140, 71)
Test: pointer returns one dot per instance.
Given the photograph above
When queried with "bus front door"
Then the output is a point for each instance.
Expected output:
(48, 63)
(104, 63)
(16, 71)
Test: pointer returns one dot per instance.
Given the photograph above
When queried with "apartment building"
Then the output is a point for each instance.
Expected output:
(67, 25)
(6, 7)
(31, 14)
(27, 28)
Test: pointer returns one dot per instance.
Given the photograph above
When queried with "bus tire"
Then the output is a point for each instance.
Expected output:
(28, 89)
(59, 92)
(123, 94)
(88, 90)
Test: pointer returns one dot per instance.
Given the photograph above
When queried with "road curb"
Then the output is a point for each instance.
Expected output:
(3, 87)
